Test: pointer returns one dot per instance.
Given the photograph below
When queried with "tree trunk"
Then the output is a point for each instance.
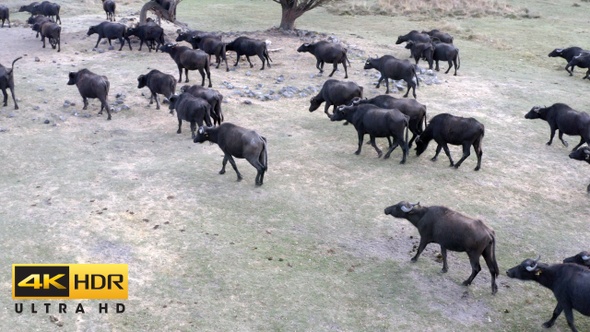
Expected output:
(288, 18)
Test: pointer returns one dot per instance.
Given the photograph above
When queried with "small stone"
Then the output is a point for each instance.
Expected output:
(40, 89)
(36, 108)
(247, 102)
(37, 59)
(46, 121)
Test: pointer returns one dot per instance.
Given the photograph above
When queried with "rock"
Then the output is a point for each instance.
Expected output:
(40, 89)
(36, 108)
(46, 121)
(37, 59)
(247, 102)
(228, 85)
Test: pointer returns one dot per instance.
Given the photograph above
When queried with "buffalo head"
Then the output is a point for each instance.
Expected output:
(73, 78)
(141, 81)
(401, 209)
(202, 134)
(527, 270)
(583, 258)
(582, 154)
(304, 48)
(533, 113)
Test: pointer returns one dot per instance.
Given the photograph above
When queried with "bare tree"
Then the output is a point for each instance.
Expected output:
(157, 7)
(293, 9)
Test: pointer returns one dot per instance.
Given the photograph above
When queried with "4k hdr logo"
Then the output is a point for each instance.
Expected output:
(69, 281)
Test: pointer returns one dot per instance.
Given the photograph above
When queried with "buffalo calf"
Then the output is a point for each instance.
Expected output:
(396, 69)
(239, 142)
(335, 93)
(188, 59)
(249, 47)
(452, 231)
(110, 30)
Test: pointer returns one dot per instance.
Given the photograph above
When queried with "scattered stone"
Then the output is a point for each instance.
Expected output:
(228, 85)
(4, 130)
(36, 108)
(46, 121)
(111, 48)
(37, 59)
(248, 73)
(40, 89)
(247, 102)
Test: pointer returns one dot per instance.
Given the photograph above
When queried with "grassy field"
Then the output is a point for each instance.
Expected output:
(310, 250)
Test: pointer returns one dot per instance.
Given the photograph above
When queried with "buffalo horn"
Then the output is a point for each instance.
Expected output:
(356, 100)
(407, 209)
(559, 50)
(586, 257)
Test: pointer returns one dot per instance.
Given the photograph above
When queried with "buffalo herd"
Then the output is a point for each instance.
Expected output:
(381, 116)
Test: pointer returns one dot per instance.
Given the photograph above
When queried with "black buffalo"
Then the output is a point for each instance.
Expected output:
(188, 59)
(51, 31)
(249, 47)
(4, 15)
(415, 36)
(158, 83)
(436, 34)
(568, 54)
(565, 119)
(110, 30)
(149, 34)
(109, 7)
(396, 69)
(455, 130)
(7, 82)
(410, 107)
(91, 85)
(583, 257)
(582, 61)
(326, 52)
(446, 52)
(582, 154)
(188, 35)
(452, 231)
(377, 122)
(421, 51)
(213, 97)
(237, 142)
(570, 284)
(192, 109)
(46, 8)
(335, 93)
(37, 21)
(212, 46)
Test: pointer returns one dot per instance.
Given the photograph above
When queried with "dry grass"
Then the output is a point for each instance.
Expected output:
(433, 8)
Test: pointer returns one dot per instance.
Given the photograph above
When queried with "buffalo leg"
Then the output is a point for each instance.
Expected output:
(443, 253)
(552, 128)
(179, 124)
(193, 129)
(121, 41)
(259, 168)
(438, 148)
(570, 72)
(421, 247)
(250, 62)
(333, 70)
(98, 41)
(208, 72)
(391, 147)
(374, 145)
(237, 59)
(466, 153)
(327, 109)
(587, 74)
(478, 152)
(202, 72)
(569, 316)
(361, 136)
(261, 56)
(579, 144)
(556, 312)
(437, 68)
(5, 97)
(85, 100)
(450, 66)
(185, 75)
(233, 165)
(179, 74)
(448, 153)
(104, 105)
(345, 70)
(379, 81)
(43, 40)
(490, 258)
(317, 65)
(475, 267)
(387, 85)
(455, 63)
(560, 136)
